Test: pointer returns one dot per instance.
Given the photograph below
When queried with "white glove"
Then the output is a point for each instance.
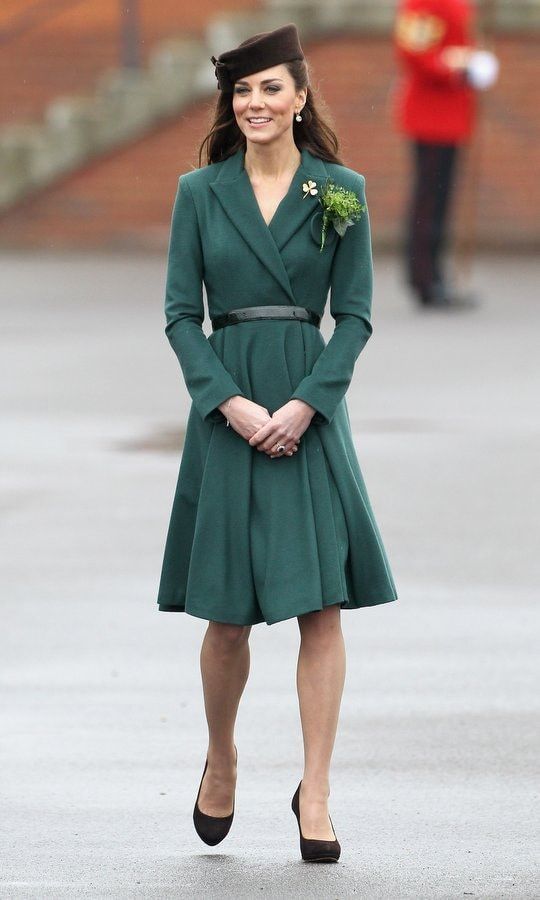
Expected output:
(482, 69)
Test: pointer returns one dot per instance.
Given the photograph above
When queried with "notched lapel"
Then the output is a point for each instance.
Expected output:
(295, 208)
(234, 192)
(233, 189)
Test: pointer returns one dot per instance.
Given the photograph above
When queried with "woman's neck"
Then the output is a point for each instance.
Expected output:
(271, 161)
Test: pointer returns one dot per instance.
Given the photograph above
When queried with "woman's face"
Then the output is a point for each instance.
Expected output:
(265, 103)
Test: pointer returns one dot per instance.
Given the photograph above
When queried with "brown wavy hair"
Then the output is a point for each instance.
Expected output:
(313, 133)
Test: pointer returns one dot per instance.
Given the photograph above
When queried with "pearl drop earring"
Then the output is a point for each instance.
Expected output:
(298, 117)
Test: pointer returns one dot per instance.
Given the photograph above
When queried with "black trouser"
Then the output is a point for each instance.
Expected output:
(434, 169)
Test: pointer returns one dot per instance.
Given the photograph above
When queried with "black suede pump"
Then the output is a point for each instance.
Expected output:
(211, 829)
(311, 849)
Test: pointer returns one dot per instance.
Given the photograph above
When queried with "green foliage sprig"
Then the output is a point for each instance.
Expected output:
(341, 208)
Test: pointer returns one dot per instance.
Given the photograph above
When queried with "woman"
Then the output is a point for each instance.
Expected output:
(271, 518)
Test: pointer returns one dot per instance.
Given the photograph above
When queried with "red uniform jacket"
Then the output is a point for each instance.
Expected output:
(433, 103)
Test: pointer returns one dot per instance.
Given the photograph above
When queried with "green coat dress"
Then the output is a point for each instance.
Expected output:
(254, 539)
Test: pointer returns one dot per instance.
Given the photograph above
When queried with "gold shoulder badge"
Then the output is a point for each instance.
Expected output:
(419, 32)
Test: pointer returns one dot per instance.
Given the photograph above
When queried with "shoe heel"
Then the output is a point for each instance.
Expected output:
(311, 849)
(211, 829)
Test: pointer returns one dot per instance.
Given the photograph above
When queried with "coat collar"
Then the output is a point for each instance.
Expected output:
(233, 189)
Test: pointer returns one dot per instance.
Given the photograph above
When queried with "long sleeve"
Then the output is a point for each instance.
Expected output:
(431, 66)
(351, 287)
(207, 380)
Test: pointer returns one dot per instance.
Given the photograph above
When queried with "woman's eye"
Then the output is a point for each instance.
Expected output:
(272, 88)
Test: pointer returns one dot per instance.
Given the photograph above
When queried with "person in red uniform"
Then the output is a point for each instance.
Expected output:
(435, 106)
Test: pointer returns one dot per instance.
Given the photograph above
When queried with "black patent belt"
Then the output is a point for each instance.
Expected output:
(250, 313)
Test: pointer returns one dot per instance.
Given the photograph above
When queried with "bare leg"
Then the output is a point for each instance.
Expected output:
(320, 680)
(224, 669)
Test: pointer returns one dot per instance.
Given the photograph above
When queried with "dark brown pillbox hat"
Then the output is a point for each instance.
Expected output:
(270, 48)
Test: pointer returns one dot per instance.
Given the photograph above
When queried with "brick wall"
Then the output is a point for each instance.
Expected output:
(64, 50)
(124, 200)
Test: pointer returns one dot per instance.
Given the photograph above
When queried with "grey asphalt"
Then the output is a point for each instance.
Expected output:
(434, 790)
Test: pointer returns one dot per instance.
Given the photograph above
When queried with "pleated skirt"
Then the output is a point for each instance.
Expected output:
(253, 539)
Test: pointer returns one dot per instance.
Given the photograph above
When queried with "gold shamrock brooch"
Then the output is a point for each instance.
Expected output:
(309, 187)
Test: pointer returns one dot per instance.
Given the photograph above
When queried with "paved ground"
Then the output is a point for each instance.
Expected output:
(102, 744)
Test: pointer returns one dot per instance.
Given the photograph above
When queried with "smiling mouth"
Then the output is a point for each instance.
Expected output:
(259, 120)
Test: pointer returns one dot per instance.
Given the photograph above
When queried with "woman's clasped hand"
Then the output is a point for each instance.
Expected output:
(268, 432)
